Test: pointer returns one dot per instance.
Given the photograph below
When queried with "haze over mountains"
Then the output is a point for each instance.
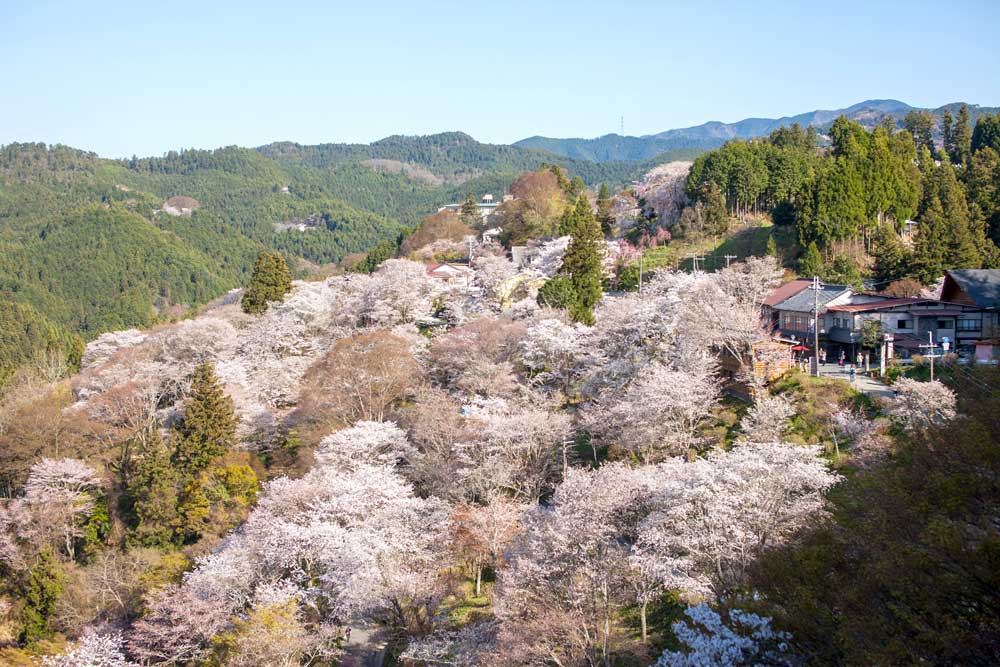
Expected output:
(713, 134)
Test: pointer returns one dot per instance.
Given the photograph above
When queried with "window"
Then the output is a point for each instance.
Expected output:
(903, 324)
(944, 324)
(968, 325)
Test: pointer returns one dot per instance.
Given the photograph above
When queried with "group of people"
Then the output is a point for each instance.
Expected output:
(803, 361)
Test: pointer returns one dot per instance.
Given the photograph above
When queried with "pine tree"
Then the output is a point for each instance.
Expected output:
(604, 214)
(153, 493)
(812, 262)
(45, 585)
(582, 262)
(270, 281)
(469, 214)
(208, 429)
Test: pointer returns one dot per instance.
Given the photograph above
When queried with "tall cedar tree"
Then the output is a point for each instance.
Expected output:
(470, 213)
(45, 585)
(811, 263)
(962, 138)
(948, 236)
(209, 426)
(270, 281)
(604, 215)
(153, 493)
(582, 262)
(891, 256)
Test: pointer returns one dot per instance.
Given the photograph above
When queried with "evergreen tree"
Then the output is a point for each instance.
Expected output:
(270, 281)
(921, 126)
(582, 262)
(45, 585)
(383, 251)
(715, 214)
(962, 138)
(929, 247)
(771, 249)
(986, 133)
(153, 493)
(890, 255)
(948, 132)
(469, 214)
(811, 263)
(604, 214)
(557, 292)
(208, 428)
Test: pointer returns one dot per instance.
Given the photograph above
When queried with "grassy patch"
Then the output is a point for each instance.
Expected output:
(815, 399)
(464, 607)
(742, 242)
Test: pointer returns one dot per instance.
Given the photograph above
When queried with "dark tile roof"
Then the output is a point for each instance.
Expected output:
(782, 292)
(981, 285)
(876, 305)
(802, 301)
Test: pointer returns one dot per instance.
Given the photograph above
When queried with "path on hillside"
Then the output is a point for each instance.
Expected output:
(863, 383)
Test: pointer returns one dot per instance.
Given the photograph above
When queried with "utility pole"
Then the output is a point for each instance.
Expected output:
(930, 352)
(694, 262)
(815, 287)
(729, 257)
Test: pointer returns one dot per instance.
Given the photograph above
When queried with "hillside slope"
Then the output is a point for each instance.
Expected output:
(90, 244)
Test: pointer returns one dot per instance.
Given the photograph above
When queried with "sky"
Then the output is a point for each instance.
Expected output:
(141, 78)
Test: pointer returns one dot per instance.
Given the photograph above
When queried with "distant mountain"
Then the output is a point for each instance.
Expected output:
(714, 133)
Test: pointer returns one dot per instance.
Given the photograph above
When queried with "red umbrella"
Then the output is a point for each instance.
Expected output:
(800, 348)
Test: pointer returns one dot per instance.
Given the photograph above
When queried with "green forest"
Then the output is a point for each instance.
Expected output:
(848, 203)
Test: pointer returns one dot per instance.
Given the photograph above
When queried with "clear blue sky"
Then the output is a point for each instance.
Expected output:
(137, 77)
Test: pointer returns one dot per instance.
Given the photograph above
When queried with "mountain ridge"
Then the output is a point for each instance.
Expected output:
(712, 134)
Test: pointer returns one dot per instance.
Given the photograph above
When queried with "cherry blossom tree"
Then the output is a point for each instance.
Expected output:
(569, 568)
(359, 379)
(178, 626)
(519, 445)
(748, 641)
(492, 273)
(716, 515)
(920, 405)
(660, 414)
(869, 439)
(482, 532)
(466, 647)
(767, 419)
(92, 650)
(57, 498)
(374, 443)
(399, 291)
(551, 350)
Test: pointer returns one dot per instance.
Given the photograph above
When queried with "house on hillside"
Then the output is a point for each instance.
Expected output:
(908, 321)
(486, 206)
(450, 273)
(979, 287)
(779, 294)
(794, 314)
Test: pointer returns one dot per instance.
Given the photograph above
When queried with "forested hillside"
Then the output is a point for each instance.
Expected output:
(89, 245)
(849, 203)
